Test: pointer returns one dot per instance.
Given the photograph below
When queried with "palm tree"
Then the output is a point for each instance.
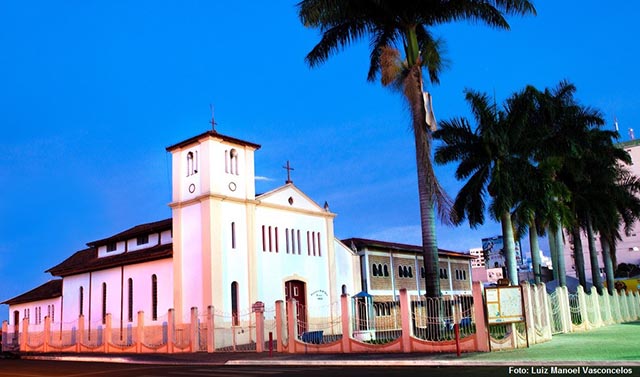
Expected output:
(406, 25)
(494, 158)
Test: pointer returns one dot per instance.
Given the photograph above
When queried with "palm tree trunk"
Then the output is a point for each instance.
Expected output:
(578, 256)
(554, 253)
(509, 248)
(593, 255)
(562, 271)
(426, 180)
(608, 265)
(534, 246)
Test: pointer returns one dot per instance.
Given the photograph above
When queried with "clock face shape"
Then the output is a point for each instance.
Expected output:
(232, 186)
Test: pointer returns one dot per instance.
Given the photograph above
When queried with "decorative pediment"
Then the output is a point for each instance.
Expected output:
(289, 196)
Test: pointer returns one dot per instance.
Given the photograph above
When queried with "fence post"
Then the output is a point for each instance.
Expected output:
(482, 332)
(171, 328)
(405, 319)
(210, 330)
(5, 335)
(529, 316)
(279, 328)
(106, 337)
(345, 318)
(565, 310)
(582, 306)
(24, 336)
(194, 339)
(258, 309)
(140, 332)
(46, 334)
(292, 324)
(80, 336)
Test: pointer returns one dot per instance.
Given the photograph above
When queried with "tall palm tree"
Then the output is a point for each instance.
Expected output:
(493, 158)
(406, 25)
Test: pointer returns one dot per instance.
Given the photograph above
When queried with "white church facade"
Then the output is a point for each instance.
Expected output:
(224, 247)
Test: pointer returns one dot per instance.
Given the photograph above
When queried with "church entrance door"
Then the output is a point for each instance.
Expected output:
(295, 289)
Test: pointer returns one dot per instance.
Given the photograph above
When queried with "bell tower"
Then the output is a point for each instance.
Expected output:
(213, 191)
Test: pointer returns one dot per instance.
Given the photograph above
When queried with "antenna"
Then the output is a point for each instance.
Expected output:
(212, 121)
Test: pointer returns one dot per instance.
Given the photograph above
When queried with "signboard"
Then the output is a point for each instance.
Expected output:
(504, 304)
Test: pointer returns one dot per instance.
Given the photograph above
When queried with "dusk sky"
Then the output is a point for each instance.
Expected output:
(91, 93)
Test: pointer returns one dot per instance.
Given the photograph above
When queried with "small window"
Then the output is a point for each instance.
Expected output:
(112, 246)
(235, 316)
(400, 272)
(233, 235)
(130, 301)
(142, 240)
(386, 270)
(81, 294)
(104, 303)
(374, 267)
(154, 297)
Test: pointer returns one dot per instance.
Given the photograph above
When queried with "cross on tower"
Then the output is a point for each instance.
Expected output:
(289, 168)
(212, 121)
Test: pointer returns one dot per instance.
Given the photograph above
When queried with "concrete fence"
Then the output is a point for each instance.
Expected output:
(354, 325)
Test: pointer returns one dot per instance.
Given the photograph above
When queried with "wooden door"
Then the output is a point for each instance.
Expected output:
(295, 289)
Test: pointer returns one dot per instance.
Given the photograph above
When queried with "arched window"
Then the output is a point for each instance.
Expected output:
(233, 161)
(410, 272)
(374, 267)
(405, 271)
(154, 297)
(344, 289)
(104, 303)
(386, 270)
(400, 272)
(192, 163)
(81, 299)
(234, 304)
(130, 300)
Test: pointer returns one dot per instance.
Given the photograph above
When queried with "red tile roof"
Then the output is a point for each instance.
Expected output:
(48, 290)
(212, 134)
(361, 243)
(148, 228)
(87, 260)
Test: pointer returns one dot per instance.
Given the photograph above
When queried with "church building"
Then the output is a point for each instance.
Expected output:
(224, 247)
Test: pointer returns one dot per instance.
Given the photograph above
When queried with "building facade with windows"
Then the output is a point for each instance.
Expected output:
(627, 248)
(224, 247)
(387, 267)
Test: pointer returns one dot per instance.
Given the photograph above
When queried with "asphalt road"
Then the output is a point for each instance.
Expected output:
(43, 368)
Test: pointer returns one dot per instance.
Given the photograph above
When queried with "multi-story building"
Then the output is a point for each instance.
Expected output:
(627, 249)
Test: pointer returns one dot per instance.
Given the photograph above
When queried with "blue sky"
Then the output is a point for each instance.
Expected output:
(91, 93)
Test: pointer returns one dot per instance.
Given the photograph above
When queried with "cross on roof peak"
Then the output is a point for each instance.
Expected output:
(289, 168)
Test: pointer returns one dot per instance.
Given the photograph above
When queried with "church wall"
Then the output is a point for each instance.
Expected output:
(118, 292)
(191, 278)
(276, 267)
(234, 260)
(347, 269)
(30, 311)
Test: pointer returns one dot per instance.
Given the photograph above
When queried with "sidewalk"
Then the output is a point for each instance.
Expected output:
(615, 345)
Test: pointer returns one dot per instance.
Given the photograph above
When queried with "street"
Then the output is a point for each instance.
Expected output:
(42, 368)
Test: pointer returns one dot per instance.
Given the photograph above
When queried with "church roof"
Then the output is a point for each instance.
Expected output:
(50, 289)
(213, 134)
(87, 260)
(153, 227)
(360, 243)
